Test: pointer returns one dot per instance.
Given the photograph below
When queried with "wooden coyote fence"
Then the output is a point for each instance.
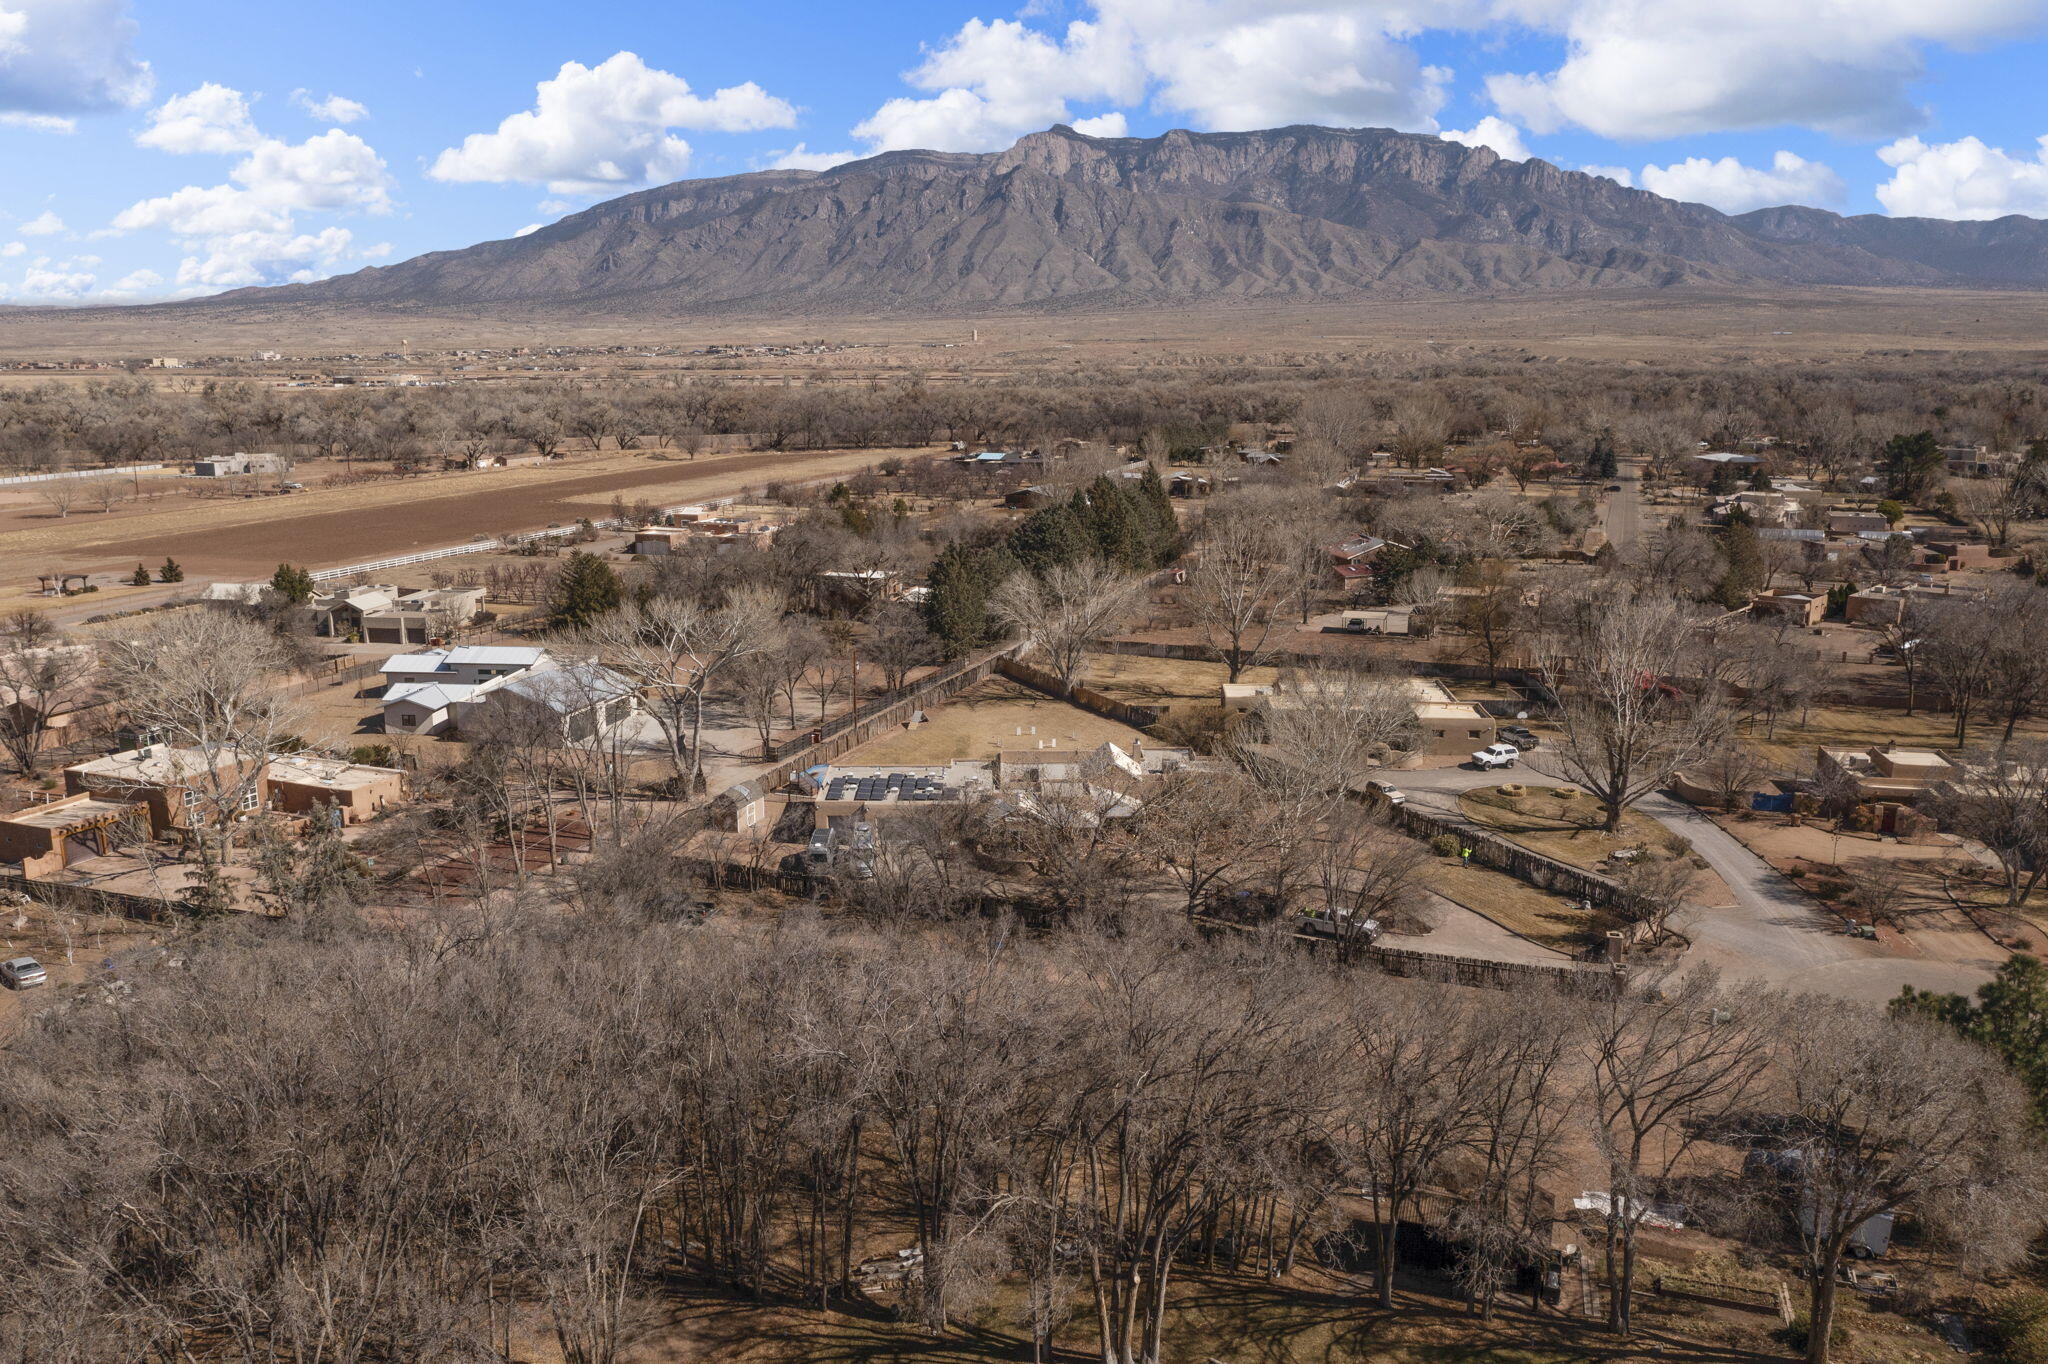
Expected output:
(1087, 698)
(878, 717)
(86, 899)
(1504, 855)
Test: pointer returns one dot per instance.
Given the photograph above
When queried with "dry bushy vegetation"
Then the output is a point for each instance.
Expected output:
(350, 1143)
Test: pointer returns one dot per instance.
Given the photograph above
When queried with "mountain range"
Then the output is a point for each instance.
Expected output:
(1066, 220)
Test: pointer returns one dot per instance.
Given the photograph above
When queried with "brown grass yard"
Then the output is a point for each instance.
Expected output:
(1560, 827)
(986, 720)
(1542, 918)
(1172, 682)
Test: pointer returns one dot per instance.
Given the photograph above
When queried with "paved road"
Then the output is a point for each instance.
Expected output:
(1769, 931)
(1624, 523)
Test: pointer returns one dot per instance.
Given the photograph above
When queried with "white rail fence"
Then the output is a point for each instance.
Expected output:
(480, 546)
(477, 547)
(79, 473)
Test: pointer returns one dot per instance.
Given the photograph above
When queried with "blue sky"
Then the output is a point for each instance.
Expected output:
(155, 148)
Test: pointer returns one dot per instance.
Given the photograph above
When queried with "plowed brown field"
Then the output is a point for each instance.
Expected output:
(247, 538)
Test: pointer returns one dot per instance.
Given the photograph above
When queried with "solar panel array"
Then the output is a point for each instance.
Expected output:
(900, 785)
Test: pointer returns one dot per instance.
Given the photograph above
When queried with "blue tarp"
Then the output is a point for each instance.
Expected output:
(1779, 804)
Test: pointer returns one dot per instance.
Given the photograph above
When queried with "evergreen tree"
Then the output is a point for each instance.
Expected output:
(1601, 461)
(1110, 513)
(295, 585)
(140, 577)
(956, 608)
(1722, 481)
(208, 894)
(585, 589)
(2009, 1015)
(170, 572)
(1155, 504)
(1909, 464)
(1760, 479)
(1051, 536)
(1744, 574)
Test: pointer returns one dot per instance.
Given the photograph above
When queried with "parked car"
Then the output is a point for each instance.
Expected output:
(1387, 791)
(1614, 487)
(23, 973)
(1524, 739)
(1497, 755)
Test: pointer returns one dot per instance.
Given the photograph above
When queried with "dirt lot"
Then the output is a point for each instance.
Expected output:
(1171, 682)
(997, 716)
(246, 538)
(69, 945)
(1567, 829)
(1542, 918)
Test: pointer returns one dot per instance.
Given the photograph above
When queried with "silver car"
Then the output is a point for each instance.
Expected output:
(23, 973)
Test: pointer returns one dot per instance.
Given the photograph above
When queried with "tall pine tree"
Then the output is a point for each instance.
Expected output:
(585, 589)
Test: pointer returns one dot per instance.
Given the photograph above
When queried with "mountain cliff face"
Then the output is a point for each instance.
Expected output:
(1062, 219)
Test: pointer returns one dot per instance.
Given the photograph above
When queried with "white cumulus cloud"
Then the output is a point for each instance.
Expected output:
(247, 230)
(529, 229)
(41, 123)
(51, 281)
(1111, 124)
(1620, 175)
(133, 283)
(1732, 187)
(1675, 67)
(801, 157)
(44, 224)
(64, 57)
(212, 119)
(597, 129)
(1963, 179)
(1497, 133)
(333, 109)
(1219, 64)
(14, 249)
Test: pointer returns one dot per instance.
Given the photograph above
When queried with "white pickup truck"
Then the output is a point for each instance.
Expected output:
(1497, 755)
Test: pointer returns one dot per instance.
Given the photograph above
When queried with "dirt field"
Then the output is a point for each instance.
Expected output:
(242, 539)
(1171, 682)
(987, 720)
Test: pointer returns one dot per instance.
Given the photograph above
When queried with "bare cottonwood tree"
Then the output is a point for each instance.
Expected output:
(208, 683)
(1242, 574)
(1062, 614)
(1620, 663)
(1662, 1069)
(1887, 1114)
(40, 684)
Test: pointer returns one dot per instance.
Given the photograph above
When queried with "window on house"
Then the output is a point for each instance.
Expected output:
(251, 799)
(408, 720)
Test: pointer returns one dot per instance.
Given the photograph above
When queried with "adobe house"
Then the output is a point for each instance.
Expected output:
(45, 839)
(1887, 773)
(304, 783)
(1800, 607)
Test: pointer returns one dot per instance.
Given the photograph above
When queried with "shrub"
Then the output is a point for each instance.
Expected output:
(1794, 1335)
(1446, 845)
(2016, 1324)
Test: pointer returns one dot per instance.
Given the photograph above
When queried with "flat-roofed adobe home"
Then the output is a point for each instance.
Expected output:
(175, 788)
(1449, 726)
(44, 839)
(1888, 773)
(1796, 606)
